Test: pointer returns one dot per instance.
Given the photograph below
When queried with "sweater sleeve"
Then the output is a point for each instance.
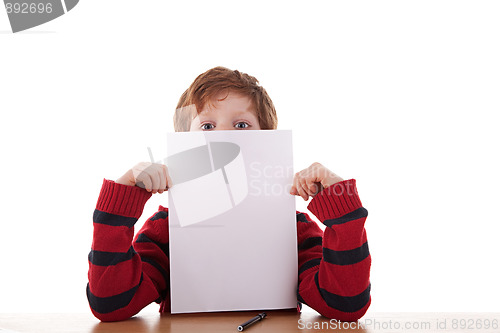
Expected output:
(334, 266)
(123, 276)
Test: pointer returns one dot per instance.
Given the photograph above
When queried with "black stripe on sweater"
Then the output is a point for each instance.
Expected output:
(348, 257)
(344, 303)
(112, 303)
(301, 218)
(309, 264)
(113, 220)
(102, 258)
(357, 214)
(310, 243)
(163, 272)
(160, 215)
(143, 238)
(299, 298)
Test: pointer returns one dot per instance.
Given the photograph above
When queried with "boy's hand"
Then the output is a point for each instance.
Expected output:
(310, 181)
(151, 176)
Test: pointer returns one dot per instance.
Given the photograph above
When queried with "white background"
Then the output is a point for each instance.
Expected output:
(401, 95)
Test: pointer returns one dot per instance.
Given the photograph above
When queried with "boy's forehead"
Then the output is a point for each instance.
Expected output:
(234, 102)
(233, 112)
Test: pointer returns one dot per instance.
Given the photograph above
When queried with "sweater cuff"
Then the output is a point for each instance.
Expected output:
(121, 199)
(335, 201)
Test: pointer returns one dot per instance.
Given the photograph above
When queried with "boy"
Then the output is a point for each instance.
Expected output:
(126, 273)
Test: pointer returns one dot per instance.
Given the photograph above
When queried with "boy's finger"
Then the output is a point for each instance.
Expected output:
(163, 179)
(146, 180)
(295, 185)
(302, 192)
(313, 188)
(155, 178)
(169, 181)
(298, 187)
(159, 176)
(305, 183)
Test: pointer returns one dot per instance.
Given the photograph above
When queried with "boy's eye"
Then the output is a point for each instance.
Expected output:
(205, 128)
(242, 123)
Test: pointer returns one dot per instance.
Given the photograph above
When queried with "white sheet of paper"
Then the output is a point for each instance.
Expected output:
(233, 237)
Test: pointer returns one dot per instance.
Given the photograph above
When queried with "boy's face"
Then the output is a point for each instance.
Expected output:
(235, 112)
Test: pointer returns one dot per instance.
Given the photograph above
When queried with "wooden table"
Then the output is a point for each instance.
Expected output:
(277, 321)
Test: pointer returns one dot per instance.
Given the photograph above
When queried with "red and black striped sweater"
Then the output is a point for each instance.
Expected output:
(126, 273)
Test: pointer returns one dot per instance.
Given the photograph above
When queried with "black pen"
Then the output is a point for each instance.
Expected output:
(255, 319)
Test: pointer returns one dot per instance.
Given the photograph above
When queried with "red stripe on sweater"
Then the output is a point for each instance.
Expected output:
(347, 236)
(348, 280)
(335, 200)
(111, 238)
(121, 199)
